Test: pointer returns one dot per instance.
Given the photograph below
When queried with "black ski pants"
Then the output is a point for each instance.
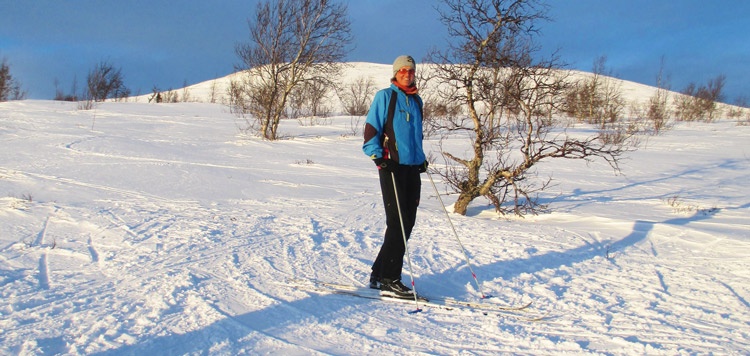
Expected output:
(390, 260)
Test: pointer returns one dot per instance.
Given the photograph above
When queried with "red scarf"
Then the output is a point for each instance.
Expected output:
(410, 90)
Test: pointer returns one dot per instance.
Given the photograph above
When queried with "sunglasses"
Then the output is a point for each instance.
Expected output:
(405, 71)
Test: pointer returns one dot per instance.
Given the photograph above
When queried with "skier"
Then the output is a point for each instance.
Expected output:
(393, 140)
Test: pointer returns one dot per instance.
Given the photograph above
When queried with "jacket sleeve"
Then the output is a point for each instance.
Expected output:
(374, 125)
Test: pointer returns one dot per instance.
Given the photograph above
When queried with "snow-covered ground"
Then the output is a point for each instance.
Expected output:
(139, 228)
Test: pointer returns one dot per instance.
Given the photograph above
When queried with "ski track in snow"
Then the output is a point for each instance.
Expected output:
(163, 232)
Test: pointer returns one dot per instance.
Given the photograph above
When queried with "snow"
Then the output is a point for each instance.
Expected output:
(138, 228)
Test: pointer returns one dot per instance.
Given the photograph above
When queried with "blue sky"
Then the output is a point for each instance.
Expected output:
(169, 43)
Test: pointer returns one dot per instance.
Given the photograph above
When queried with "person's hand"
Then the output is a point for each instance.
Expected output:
(423, 166)
(387, 165)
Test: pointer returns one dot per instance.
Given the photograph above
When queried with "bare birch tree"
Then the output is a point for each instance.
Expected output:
(10, 88)
(291, 42)
(105, 81)
(356, 96)
(596, 99)
(699, 102)
(510, 99)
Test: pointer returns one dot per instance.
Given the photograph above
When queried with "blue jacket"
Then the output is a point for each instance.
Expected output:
(404, 135)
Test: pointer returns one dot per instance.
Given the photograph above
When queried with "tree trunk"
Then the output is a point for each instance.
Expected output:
(462, 203)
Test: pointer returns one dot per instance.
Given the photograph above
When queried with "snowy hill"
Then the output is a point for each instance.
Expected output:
(138, 228)
(379, 73)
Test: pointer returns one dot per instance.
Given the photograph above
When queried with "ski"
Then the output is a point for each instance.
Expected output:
(367, 293)
(519, 312)
(446, 301)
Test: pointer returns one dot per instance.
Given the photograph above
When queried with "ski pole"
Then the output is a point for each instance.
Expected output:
(466, 255)
(406, 247)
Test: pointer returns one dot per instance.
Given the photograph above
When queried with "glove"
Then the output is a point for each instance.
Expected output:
(388, 165)
(423, 167)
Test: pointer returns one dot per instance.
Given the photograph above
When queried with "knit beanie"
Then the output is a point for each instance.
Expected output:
(403, 61)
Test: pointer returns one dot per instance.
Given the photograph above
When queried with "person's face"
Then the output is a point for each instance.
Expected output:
(405, 76)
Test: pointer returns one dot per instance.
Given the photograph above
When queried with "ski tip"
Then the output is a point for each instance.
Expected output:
(488, 296)
(418, 310)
